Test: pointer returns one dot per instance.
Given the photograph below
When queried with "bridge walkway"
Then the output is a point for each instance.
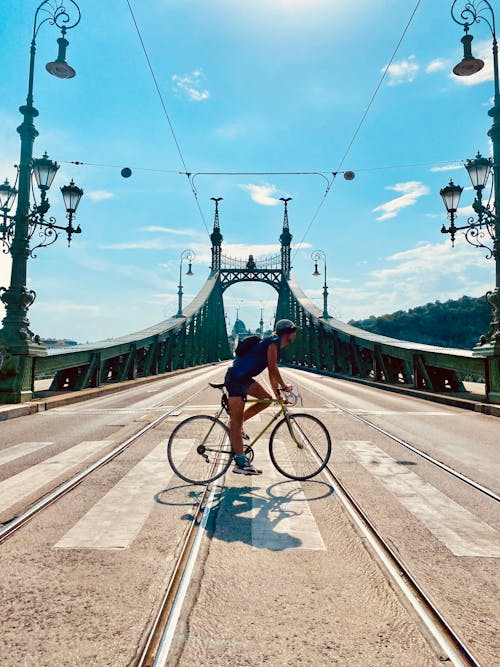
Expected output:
(281, 576)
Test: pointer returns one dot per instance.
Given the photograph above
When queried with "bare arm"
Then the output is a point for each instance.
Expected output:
(272, 366)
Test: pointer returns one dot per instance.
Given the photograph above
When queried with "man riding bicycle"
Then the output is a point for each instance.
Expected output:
(240, 382)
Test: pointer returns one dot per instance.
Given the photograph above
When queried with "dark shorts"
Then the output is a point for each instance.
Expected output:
(237, 387)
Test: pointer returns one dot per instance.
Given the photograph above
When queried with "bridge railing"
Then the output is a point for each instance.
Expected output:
(197, 338)
(273, 262)
(333, 345)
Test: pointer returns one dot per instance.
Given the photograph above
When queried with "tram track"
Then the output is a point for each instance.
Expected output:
(453, 647)
(448, 645)
(416, 450)
(37, 506)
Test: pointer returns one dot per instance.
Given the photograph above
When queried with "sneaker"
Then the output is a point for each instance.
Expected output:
(246, 469)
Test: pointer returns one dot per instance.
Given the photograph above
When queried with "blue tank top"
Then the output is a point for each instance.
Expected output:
(254, 362)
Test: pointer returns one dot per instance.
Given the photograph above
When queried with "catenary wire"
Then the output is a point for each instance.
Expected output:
(167, 116)
(359, 126)
(322, 172)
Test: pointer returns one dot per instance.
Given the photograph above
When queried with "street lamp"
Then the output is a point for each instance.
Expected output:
(190, 257)
(320, 255)
(17, 230)
(451, 198)
(483, 229)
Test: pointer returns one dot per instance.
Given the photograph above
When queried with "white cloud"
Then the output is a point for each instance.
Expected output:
(412, 191)
(447, 167)
(413, 277)
(436, 65)
(480, 50)
(191, 85)
(153, 244)
(99, 195)
(403, 71)
(231, 131)
(262, 194)
(170, 230)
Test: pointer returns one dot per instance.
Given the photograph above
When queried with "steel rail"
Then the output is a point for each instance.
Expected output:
(397, 572)
(15, 524)
(443, 466)
(156, 649)
(468, 480)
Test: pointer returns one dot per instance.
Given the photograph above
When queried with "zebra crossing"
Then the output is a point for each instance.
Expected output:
(277, 510)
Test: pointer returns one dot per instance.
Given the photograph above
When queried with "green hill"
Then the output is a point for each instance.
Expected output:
(456, 323)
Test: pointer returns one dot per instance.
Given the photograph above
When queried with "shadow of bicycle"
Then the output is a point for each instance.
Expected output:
(254, 515)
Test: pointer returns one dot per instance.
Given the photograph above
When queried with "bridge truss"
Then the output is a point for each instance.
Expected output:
(200, 337)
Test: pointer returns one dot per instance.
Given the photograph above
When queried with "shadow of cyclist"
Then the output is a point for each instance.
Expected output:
(242, 508)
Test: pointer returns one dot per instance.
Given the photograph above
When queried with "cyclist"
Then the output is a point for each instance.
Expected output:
(240, 382)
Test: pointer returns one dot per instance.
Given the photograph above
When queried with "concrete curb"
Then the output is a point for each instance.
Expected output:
(43, 404)
(490, 409)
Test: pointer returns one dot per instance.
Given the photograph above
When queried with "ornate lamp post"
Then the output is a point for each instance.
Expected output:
(482, 229)
(16, 340)
(316, 256)
(190, 257)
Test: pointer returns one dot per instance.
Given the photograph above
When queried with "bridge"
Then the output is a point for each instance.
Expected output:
(388, 556)
(324, 344)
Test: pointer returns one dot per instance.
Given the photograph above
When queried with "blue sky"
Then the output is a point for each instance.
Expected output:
(271, 85)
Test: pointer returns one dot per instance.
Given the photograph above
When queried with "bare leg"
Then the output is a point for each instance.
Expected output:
(236, 407)
(257, 391)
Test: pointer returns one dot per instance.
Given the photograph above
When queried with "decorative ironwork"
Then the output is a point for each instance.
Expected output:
(473, 12)
(57, 14)
(273, 262)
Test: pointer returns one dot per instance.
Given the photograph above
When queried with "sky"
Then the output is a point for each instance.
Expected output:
(271, 85)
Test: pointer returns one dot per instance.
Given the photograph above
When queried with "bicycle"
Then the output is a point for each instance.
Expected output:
(199, 450)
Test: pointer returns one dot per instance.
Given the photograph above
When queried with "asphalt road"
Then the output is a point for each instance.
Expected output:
(282, 578)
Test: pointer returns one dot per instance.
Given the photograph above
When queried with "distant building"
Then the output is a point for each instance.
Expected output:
(58, 342)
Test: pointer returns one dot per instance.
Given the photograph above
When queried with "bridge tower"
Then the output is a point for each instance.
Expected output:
(286, 240)
(216, 238)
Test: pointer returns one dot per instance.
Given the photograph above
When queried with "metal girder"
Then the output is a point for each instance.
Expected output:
(333, 345)
(230, 277)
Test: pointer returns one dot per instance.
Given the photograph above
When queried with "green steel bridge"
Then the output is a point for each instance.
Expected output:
(324, 344)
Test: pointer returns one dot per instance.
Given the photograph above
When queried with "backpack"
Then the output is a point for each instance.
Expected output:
(247, 345)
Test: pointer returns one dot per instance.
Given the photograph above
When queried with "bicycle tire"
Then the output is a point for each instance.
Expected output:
(297, 462)
(184, 450)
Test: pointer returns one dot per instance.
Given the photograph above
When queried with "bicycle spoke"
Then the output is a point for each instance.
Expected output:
(198, 449)
(300, 448)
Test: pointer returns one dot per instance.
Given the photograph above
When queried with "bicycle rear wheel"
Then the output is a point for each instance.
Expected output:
(199, 450)
(300, 448)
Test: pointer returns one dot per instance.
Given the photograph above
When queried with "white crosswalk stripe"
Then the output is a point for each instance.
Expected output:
(458, 529)
(116, 520)
(281, 515)
(32, 480)
(17, 451)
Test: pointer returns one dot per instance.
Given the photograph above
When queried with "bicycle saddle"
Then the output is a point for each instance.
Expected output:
(216, 386)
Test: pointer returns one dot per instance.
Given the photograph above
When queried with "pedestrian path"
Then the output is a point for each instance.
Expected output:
(456, 527)
(33, 480)
(281, 516)
(115, 521)
(17, 451)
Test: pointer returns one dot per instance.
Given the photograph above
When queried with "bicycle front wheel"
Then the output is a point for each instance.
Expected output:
(199, 450)
(300, 446)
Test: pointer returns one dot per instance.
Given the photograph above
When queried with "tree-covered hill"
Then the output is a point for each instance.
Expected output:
(456, 323)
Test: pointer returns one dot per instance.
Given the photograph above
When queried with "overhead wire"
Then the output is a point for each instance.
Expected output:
(319, 172)
(167, 115)
(360, 124)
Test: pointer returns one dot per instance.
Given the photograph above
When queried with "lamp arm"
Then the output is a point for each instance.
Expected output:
(56, 14)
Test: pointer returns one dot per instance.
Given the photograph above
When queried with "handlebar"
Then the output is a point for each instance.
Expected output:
(292, 398)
